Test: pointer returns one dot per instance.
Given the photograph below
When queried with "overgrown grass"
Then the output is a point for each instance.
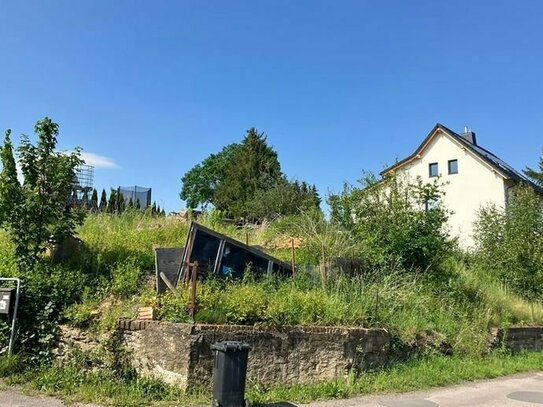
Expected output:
(134, 234)
(72, 383)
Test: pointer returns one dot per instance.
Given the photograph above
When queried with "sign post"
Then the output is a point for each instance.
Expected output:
(9, 303)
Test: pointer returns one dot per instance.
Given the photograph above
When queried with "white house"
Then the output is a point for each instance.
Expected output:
(473, 176)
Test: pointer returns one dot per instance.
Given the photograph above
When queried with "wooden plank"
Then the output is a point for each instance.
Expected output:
(167, 262)
(168, 283)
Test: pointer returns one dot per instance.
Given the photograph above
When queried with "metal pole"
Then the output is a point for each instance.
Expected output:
(12, 336)
(14, 318)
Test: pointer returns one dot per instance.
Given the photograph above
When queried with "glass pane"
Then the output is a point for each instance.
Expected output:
(281, 271)
(433, 170)
(453, 166)
(259, 265)
(233, 262)
(204, 251)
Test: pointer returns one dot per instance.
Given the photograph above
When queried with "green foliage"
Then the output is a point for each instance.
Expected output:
(536, 175)
(245, 181)
(126, 278)
(255, 168)
(284, 198)
(510, 243)
(113, 204)
(36, 213)
(10, 365)
(84, 378)
(11, 197)
(103, 201)
(395, 221)
(200, 183)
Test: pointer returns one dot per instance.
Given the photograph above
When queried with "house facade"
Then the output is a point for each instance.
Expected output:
(473, 177)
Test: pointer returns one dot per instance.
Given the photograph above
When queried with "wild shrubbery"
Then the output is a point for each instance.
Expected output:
(395, 221)
(510, 243)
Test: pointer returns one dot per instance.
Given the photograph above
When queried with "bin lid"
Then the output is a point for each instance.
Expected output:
(230, 346)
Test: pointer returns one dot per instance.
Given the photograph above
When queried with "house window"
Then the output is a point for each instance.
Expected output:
(431, 203)
(453, 166)
(433, 170)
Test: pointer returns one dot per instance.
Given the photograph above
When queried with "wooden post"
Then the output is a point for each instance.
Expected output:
(293, 258)
(188, 251)
(194, 279)
(246, 237)
(186, 278)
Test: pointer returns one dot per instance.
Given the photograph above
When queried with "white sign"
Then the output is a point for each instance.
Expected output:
(3, 305)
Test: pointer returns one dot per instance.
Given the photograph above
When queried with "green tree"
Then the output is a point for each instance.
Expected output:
(36, 213)
(121, 203)
(11, 198)
(112, 205)
(103, 201)
(94, 196)
(200, 182)
(536, 175)
(256, 168)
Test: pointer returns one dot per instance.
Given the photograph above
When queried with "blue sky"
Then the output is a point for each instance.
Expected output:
(150, 88)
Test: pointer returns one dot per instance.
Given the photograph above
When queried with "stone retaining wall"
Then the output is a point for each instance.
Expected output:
(518, 338)
(180, 353)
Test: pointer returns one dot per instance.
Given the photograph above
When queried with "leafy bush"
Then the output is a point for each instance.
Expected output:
(36, 212)
(126, 278)
(510, 243)
(395, 221)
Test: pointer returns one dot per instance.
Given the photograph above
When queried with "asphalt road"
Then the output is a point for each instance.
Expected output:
(515, 391)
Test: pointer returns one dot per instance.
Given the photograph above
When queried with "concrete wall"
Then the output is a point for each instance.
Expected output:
(180, 353)
(476, 184)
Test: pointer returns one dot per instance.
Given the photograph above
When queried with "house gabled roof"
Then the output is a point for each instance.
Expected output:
(489, 158)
